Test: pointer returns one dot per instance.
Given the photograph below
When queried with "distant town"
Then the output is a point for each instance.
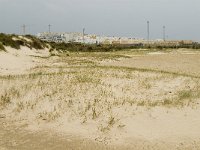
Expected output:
(75, 37)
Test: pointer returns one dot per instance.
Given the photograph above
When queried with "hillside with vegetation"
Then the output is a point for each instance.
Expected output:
(30, 41)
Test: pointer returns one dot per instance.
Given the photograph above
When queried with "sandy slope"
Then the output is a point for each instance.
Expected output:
(18, 61)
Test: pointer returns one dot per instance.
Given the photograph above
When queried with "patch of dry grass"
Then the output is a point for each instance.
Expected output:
(90, 93)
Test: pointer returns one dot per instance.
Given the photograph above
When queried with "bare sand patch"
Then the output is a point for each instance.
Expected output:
(19, 61)
(178, 63)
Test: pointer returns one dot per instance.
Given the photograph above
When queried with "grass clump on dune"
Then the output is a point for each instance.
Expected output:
(16, 41)
(35, 42)
(4, 99)
(2, 47)
(7, 40)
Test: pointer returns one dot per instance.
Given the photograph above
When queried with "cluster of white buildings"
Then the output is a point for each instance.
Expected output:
(95, 39)
(85, 38)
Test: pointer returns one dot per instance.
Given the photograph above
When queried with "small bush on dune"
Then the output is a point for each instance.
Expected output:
(36, 45)
(35, 42)
(2, 47)
(7, 40)
(19, 43)
(4, 99)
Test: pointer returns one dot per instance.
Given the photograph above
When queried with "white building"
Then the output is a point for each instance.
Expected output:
(87, 38)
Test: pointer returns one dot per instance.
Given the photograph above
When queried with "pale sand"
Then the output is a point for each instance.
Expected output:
(178, 63)
(19, 61)
(141, 127)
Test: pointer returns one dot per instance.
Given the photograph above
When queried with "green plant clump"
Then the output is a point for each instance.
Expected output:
(7, 40)
(2, 47)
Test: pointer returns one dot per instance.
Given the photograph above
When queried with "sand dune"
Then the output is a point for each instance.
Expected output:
(18, 61)
(95, 102)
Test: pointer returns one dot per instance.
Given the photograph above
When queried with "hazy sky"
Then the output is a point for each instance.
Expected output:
(104, 17)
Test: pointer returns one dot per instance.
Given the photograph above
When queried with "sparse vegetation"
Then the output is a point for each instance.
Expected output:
(7, 40)
(185, 94)
(2, 47)
(35, 42)
(16, 41)
(5, 99)
(89, 93)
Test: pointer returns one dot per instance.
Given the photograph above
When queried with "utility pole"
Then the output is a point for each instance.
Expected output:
(24, 29)
(164, 38)
(148, 34)
(49, 28)
(83, 35)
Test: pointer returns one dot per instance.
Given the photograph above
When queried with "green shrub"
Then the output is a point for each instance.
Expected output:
(7, 40)
(2, 47)
(4, 99)
(35, 42)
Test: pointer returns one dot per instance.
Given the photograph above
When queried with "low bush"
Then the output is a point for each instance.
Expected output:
(2, 47)
(7, 40)
(35, 42)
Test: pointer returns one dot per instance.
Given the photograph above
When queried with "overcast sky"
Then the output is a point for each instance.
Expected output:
(104, 17)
